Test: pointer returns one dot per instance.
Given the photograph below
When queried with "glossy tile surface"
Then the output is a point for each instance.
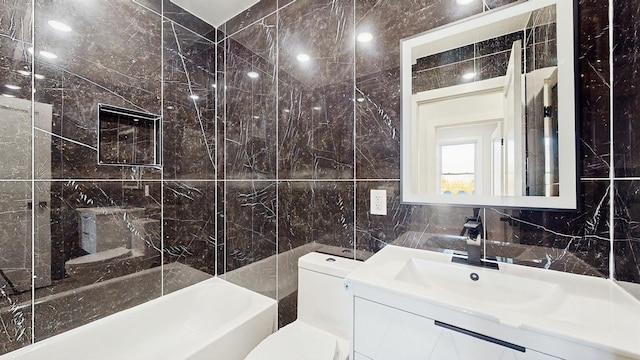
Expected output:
(257, 168)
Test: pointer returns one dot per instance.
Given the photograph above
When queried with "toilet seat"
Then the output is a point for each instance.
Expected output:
(297, 341)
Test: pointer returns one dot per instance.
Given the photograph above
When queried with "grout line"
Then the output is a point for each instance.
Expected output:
(177, 23)
(612, 261)
(224, 155)
(33, 182)
(215, 152)
(277, 119)
(162, 149)
(277, 10)
(355, 135)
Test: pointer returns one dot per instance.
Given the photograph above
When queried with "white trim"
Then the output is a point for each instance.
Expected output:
(566, 109)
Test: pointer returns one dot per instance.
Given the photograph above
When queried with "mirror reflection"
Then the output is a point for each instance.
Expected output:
(487, 122)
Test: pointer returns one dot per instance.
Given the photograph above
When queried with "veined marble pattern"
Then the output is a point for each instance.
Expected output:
(189, 222)
(295, 151)
(114, 55)
(189, 104)
(250, 103)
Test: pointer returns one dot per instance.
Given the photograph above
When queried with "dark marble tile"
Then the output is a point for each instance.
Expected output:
(138, 229)
(594, 88)
(316, 132)
(16, 203)
(296, 214)
(626, 66)
(221, 106)
(391, 21)
(324, 32)
(334, 214)
(15, 20)
(73, 141)
(116, 45)
(288, 309)
(179, 15)
(15, 139)
(250, 218)
(189, 144)
(155, 5)
(571, 241)
(250, 103)
(15, 68)
(95, 64)
(221, 260)
(378, 126)
(626, 247)
(17, 319)
(190, 224)
(321, 212)
(251, 15)
(373, 232)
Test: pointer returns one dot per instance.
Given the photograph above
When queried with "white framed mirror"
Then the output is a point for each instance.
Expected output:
(489, 110)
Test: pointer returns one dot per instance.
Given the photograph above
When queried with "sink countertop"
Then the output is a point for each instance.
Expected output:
(578, 308)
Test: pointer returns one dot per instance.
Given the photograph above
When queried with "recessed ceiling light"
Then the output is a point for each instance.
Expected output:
(59, 26)
(194, 97)
(303, 57)
(12, 87)
(28, 73)
(469, 75)
(360, 99)
(253, 74)
(8, 95)
(48, 55)
(364, 37)
(464, 2)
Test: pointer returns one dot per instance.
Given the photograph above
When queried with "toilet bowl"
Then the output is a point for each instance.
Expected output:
(321, 331)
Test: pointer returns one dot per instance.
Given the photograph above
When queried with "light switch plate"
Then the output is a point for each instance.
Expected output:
(378, 204)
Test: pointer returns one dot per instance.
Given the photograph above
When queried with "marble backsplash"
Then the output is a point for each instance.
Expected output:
(255, 167)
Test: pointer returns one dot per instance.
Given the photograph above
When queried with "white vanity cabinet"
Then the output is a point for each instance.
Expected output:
(386, 333)
(415, 304)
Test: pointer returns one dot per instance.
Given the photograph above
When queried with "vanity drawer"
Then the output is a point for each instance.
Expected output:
(385, 333)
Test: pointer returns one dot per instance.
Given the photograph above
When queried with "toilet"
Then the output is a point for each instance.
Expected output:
(321, 331)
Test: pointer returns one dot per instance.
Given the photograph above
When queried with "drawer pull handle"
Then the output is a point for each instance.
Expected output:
(481, 337)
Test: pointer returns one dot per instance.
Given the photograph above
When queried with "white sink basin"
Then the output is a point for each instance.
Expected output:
(490, 286)
(576, 308)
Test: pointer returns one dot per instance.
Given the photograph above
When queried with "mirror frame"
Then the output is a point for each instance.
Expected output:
(566, 28)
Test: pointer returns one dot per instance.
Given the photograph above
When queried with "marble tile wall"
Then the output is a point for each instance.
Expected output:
(336, 136)
(254, 167)
(145, 55)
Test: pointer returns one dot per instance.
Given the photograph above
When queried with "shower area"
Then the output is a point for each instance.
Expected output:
(108, 188)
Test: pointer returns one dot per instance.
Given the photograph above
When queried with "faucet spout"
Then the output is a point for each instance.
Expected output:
(474, 230)
(474, 250)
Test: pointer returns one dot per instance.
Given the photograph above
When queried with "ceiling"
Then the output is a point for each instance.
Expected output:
(215, 12)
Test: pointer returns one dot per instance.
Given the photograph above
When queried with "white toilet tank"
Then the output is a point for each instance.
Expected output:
(323, 301)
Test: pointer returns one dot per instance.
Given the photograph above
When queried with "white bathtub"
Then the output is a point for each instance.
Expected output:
(213, 320)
